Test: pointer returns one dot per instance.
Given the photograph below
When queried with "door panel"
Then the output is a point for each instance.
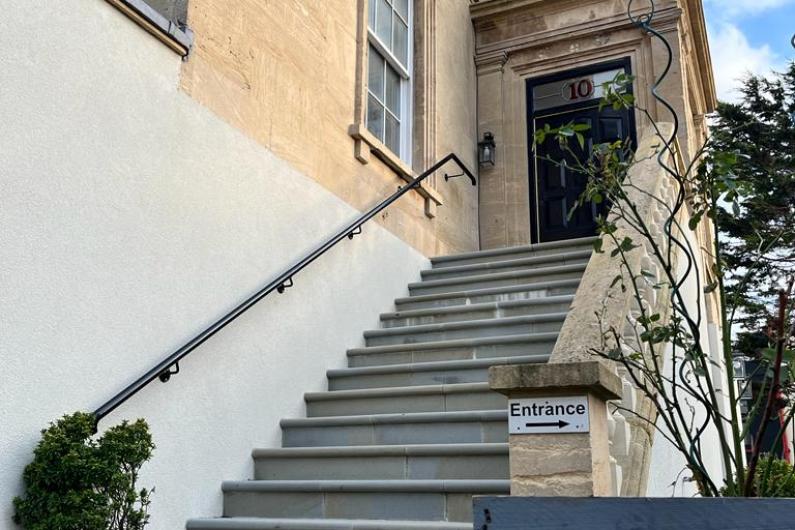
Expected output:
(558, 183)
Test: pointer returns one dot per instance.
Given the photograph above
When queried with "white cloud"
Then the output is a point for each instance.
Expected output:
(737, 7)
(733, 57)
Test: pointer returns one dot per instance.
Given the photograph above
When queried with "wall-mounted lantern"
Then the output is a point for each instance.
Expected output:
(487, 149)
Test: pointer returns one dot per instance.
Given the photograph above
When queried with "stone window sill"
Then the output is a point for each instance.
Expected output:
(179, 39)
(367, 144)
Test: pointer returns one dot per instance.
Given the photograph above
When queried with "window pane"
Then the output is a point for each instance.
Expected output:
(392, 91)
(375, 117)
(392, 137)
(371, 14)
(174, 10)
(375, 73)
(384, 22)
(401, 45)
(402, 7)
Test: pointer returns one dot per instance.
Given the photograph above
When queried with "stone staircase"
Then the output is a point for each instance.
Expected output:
(410, 431)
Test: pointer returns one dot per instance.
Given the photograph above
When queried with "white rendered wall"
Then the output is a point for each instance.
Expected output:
(131, 218)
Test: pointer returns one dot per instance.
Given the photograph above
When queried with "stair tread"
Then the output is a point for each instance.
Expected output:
(541, 271)
(466, 324)
(257, 523)
(482, 306)
(472, 293)
(466, 329)
(401, 485)
(392, 418)
(513, 250)
(383, 450)
(451, 343)
(445, 388)
(562, 258)
(432, 366)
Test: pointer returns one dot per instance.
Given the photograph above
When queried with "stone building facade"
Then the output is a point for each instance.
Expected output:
(161, 159)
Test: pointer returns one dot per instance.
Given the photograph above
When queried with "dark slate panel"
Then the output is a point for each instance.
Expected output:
(562, 513)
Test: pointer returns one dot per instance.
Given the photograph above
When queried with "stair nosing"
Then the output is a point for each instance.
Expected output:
(541, 271)
(452, 343)
(380, 485)
(431, 366)
(561, 258)
(515, 249)
(441, 389)
(466, 324)
(396, 418)
(480, 306)
(340, 451)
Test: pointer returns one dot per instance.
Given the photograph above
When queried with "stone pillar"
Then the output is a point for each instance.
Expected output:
(571, 464)
(491, 182)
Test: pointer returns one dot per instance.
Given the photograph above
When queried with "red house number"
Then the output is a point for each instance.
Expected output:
(579, 89)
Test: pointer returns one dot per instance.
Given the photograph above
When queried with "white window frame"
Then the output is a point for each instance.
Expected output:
(406, 74)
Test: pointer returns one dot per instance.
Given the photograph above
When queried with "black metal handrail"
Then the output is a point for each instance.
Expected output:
(163, 370)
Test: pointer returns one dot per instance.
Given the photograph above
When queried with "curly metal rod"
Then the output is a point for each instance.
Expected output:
(644, 22)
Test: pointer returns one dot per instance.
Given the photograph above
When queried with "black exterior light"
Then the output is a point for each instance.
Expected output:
(487, 149)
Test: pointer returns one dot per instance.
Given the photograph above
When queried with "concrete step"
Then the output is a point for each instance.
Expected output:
(385, 462)
(262, 523)
(520, 252)
(428, 398)
(535, 262)
(449, 350)
(395, 429)
(425, 500)
(427, 373)
(490, 327)
(526, 291)
(410, 432)
(498, 279)
(462, 313)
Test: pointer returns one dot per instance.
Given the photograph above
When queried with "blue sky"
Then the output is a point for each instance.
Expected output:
(748, 36)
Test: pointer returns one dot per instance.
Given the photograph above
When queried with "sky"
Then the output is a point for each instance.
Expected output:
(748, 36)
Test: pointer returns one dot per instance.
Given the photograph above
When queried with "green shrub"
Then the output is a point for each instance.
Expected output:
(773, 478)
(79, 482)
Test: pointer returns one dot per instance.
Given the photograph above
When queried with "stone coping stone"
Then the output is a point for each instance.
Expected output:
(594, 377)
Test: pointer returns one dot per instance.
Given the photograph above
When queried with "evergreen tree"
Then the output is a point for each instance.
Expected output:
(758, 234)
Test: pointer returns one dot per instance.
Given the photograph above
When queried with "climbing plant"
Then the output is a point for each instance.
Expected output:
(672, 266)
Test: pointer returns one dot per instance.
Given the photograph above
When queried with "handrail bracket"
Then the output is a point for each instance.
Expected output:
(165, 376)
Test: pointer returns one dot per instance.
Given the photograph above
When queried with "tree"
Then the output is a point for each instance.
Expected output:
(758, 235)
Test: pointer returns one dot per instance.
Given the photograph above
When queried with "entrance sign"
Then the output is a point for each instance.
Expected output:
(573, 90)
(548, 415)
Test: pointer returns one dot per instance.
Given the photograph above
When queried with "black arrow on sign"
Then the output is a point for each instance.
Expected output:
(559, 424)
